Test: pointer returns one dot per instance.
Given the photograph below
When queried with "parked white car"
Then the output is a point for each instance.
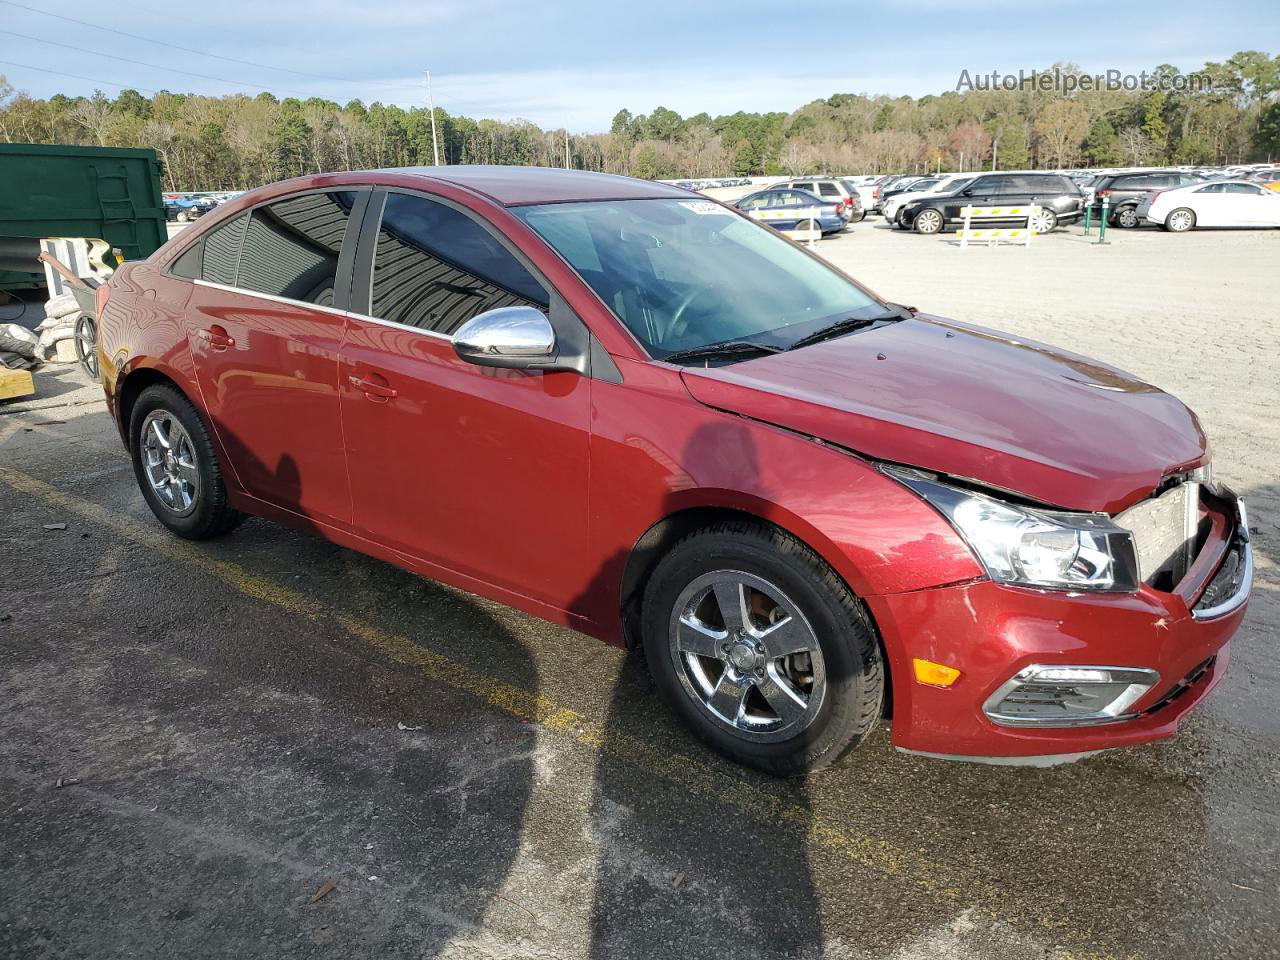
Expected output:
(1221, 203)
(949, 183)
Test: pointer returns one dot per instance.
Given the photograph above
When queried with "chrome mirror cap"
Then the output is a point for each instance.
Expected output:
(507, 337)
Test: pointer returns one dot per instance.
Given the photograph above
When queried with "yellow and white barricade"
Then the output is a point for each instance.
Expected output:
(993, 235)
(807, 228)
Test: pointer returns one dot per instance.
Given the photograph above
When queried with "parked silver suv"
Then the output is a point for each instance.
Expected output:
(836, 189)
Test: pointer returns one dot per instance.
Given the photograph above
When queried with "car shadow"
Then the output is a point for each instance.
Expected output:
(411, 791)
(675, 864)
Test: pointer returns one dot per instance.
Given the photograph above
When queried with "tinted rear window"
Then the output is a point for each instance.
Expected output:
(222, 250)
(292, 246)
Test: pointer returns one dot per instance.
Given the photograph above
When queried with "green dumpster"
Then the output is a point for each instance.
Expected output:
(50, 190)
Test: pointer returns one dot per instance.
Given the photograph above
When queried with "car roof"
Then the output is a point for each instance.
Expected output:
(514, 186)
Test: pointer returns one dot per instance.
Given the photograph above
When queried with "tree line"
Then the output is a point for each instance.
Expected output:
(237, 142)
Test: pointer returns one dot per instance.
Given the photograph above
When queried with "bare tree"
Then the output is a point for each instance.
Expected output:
(1060, 130)
(95, 116)
(1136, 146)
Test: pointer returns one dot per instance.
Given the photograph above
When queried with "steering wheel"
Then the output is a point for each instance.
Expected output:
(683, 305)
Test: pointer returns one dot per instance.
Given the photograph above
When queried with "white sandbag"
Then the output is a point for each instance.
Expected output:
(19, 340)
(61, 305)
(47, 346)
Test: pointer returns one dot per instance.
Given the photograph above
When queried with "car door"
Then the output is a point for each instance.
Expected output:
(1208, 204)
(265, 324)
(1252, 206)
(477, 469)
(983, 192)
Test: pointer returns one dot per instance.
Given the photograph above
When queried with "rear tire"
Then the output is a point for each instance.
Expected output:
(1126, 218)
(1180, 220)
(828, 696)
(176, 467)
(1044, 222)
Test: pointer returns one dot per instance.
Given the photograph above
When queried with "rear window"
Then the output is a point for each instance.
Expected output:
(222, 250)
(1048, 183)
(291, 247)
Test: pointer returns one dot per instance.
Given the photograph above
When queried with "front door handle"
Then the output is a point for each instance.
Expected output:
(378, 392)
(217, 338)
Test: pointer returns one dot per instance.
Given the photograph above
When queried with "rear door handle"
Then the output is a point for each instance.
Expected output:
(374, 391)
(217, 338)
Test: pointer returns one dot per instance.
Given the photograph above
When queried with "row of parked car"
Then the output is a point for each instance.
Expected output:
(708, 184)
(190, 206)
(1175, 199)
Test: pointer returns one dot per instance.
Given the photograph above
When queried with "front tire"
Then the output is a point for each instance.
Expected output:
(928, 222)
(762, 649)
(176, 467)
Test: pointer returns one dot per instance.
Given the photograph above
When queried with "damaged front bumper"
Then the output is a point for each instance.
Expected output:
(1047, 676)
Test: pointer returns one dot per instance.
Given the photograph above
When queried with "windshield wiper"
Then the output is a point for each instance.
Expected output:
(849, 325)
(729, 348)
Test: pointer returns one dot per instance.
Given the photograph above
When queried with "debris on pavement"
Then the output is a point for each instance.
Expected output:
(326, 888)
(403, 726)
(55, 526)
(66, 782)
(16, 383)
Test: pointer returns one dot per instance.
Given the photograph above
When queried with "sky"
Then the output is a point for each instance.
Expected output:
(575, 64)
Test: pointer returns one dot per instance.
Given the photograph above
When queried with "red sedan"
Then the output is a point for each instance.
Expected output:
(640, 414)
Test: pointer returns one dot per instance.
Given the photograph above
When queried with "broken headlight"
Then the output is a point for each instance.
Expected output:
(1030, 546)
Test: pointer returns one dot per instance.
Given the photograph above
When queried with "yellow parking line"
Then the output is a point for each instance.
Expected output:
(823, 832)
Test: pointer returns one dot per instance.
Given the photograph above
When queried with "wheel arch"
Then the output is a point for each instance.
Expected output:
(131, 388)
(654, 543)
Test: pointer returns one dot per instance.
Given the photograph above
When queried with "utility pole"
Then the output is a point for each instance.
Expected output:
(431, 105)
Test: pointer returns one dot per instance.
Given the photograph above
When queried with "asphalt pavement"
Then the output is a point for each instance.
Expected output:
(195, 739)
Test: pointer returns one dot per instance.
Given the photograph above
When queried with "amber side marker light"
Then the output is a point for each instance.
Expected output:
(934, 674)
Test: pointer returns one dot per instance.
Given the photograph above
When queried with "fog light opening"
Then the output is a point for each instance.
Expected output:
(1066, 696)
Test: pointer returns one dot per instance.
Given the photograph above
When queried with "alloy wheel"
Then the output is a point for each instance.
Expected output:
(87, 346)
(170, 462)
(1128, 217)
(747, 656)
(929, 221)
(1044, 221)
(1181, 220)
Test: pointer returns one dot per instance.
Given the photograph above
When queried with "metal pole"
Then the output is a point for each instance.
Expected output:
(431, 105)
(1102, 220)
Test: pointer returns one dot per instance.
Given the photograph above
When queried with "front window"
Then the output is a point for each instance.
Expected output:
(682, 274)
(435, 268)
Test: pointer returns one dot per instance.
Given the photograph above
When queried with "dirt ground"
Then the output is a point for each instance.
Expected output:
(235, 722)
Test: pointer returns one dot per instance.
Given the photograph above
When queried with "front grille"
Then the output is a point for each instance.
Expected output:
(1166, 534)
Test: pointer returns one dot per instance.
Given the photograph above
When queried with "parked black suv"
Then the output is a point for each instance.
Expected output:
(1124, 191)
(1058, 197)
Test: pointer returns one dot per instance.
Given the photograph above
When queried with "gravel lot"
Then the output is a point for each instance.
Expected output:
(249, 717)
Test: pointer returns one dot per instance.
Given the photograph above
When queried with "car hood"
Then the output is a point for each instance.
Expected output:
(973, 403)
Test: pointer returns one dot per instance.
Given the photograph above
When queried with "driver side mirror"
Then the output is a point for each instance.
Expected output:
(512, 337)
(967, 192)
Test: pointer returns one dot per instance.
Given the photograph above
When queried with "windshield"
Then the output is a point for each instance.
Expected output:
(682, 274)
